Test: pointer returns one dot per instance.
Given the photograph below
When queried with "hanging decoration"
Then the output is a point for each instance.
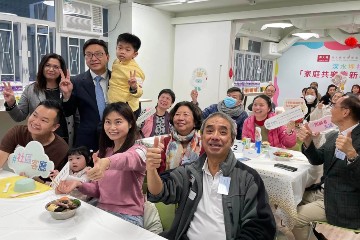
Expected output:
(231, 73)
(351, 42)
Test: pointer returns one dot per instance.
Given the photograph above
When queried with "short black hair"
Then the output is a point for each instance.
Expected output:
(131, 39)
(82, 150)
(168, 91)
(353, 104)
(235, 89)
(94, 41)
(196, 112)
(270, 85)
(53, 104)
(266, 98)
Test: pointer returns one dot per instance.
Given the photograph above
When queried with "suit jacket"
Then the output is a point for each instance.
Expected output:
(342, 189)
(83, 98)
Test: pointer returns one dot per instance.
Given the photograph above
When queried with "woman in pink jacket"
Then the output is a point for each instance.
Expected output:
(282, 137)
(119, 167)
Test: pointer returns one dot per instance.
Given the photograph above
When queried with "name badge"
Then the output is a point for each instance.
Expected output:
(224, 185)
(192, 195)
(339, 154)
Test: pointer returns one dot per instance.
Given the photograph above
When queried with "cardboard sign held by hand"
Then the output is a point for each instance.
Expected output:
(321, 124)
(284, 118)
(31, 160)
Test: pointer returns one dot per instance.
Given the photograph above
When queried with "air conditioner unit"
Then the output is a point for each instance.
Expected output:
(269, 51)
(78, 17)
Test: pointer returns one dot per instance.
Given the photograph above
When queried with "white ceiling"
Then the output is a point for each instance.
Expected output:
(335, 18)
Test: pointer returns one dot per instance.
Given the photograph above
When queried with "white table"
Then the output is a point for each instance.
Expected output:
(26, 218)
(285, 188)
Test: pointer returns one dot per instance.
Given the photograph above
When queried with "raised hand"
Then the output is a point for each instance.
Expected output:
(67, 186)
(100, 166)
(153, 155)
(344, 144)
(305, 135)
(320, 105)
(132, 80)
(65, 84)
(194, 95)
(9, 95)
(290, 127)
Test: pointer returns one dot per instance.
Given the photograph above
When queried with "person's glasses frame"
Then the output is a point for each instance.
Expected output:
(98, 55)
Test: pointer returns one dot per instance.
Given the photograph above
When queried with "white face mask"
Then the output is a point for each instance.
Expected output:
(310, 98)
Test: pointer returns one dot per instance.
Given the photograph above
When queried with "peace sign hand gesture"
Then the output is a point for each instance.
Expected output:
(65, 85)
(9, 95)
(132, 81)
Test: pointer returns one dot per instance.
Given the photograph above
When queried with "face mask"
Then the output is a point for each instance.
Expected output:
(310, 98)
(230, 102)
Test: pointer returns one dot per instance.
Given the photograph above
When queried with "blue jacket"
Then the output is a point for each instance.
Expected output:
(247, 213)
(239, 120)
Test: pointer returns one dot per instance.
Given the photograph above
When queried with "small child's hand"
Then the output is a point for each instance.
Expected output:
(53, 174)
(132, 81)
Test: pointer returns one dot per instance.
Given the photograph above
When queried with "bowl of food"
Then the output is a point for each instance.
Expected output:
(63, 208)
(282, 156)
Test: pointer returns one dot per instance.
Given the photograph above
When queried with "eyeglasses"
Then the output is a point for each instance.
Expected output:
(89, 55)
(54, 67)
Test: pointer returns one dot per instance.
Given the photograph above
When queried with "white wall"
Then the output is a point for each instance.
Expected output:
(202, 45)
(156, 54)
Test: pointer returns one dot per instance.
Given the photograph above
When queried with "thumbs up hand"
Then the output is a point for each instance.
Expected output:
(344, 144)
(100, 166)
(305, 135)
(153, 155)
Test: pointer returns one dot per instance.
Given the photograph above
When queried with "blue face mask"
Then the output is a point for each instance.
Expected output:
(230, 102)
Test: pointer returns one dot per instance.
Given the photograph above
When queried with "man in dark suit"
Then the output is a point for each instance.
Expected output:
(338, 199)
(82, 93)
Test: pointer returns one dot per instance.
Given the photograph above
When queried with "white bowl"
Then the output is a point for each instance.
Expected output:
(61, 215)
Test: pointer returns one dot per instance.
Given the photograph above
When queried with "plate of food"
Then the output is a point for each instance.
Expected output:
(282, 156)
(63, 208)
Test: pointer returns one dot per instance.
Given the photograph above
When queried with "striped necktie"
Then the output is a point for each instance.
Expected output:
(100, 99)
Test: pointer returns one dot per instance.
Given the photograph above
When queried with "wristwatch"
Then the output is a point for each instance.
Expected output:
(353, 158)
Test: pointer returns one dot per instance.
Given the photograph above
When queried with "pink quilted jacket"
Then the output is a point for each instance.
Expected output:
(277, 137)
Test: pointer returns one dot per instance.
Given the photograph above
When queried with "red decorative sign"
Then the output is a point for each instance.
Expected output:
(323, 58)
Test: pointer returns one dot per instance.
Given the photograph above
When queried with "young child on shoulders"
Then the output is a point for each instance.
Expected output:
(126, 80)
(80, 162)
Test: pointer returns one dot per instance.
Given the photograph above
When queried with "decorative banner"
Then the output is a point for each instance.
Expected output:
(238, 146)
(144, 116)
(293, 102)
(321, 124)
(63, 175)
(31, 160)
(199, 79)
(284, 118)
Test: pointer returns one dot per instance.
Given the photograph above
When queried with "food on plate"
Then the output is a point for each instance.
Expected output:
(283, 154)
(63, 204)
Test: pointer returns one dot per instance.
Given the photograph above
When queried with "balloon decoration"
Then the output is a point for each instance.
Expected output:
(351, 42)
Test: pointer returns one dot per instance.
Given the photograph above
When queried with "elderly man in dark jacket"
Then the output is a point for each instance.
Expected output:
(340, 156)
(218, 197)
